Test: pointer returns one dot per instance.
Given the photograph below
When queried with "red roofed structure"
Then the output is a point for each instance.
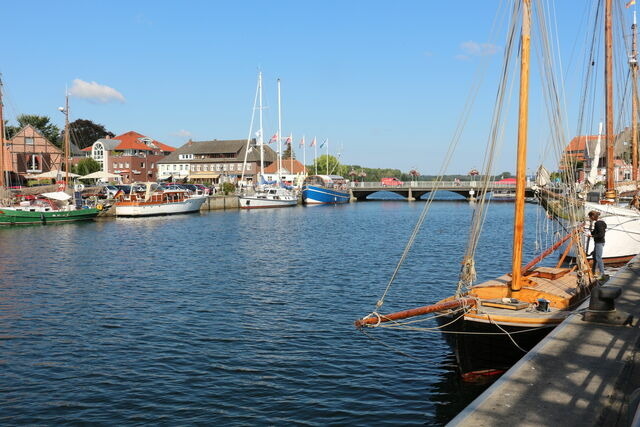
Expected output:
(131, 155)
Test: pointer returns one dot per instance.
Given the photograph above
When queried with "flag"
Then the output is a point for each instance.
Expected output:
(302, 142)
(274, 138)
(630, 3)
(288, 140)
(324, 142)
(313, 143)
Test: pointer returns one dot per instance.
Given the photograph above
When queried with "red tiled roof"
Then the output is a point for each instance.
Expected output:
(89, 148)
(130, 141)
(286, 164)
(579, 142)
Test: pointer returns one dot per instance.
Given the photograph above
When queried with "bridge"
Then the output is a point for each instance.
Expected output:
(414, 190)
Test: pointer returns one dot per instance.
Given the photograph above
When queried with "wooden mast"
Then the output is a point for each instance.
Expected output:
(633, 61)
(2, 171)
(521, 163)
(608, 75)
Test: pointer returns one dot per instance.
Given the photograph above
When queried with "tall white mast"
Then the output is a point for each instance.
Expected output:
(260, 136)
(279, 135)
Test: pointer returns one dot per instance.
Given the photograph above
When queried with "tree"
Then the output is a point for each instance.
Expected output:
(324, 161)
(86, 166)
(41, 123)
(85, 132)
(288, 153)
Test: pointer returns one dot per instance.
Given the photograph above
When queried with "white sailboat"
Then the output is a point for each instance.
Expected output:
(623, 221)
(268, 195)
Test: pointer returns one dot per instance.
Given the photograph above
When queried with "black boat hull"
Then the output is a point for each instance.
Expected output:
(483, 349)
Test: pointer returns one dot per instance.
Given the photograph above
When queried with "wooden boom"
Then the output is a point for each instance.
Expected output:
(414, 312)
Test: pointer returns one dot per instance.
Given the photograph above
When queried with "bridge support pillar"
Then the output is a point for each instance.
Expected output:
(410, 197)
(352, 198)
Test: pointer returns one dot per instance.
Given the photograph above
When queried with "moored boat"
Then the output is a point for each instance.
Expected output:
(324, 189)
(45, 208)
(267, 195)
(155, 201)
(272, 197)
(492, 324)
(48, 207)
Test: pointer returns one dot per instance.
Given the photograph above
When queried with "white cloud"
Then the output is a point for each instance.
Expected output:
(182, 133)
(94, 92)
(471, 48)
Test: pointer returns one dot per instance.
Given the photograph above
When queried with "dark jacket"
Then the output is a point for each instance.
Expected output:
(598, 231)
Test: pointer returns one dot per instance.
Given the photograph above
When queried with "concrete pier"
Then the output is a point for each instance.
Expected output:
(581, 374)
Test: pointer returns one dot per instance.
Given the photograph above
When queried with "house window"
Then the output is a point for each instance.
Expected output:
(175, 167)
(34, 163)
(142, 165)
(224, 167)
(29, 140)
(126, 165)
(232, 167)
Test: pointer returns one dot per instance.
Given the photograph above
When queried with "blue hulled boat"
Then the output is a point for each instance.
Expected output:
(323, 189)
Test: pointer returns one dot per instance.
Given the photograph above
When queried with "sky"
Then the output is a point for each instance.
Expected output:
(386, 82)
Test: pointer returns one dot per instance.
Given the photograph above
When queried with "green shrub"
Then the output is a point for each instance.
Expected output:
(228, 188)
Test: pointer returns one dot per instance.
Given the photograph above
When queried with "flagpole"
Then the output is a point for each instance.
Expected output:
(291, 154)
(327, 156)
(261, 132)
(315, 154)
(304, 156)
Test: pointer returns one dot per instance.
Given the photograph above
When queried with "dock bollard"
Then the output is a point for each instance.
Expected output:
(602, 307)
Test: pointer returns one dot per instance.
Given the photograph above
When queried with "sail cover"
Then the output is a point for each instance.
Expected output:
(58, 195)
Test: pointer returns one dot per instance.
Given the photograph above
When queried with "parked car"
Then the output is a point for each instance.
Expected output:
(390, 182)
(126, 189)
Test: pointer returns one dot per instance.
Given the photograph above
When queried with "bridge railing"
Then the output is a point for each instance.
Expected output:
(430, 185)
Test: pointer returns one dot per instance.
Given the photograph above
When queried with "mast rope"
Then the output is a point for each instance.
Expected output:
(464, 117)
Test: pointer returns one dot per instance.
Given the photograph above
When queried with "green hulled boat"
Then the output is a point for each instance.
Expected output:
(45, 209)
(9, 216)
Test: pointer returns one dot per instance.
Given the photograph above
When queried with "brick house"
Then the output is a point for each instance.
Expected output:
(32, 153)
(131, 155)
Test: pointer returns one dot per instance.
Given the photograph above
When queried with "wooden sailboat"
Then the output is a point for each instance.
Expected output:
(490, 325)
(46, 208)
(268, 195)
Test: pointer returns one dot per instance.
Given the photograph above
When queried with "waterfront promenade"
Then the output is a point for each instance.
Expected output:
(580, 374)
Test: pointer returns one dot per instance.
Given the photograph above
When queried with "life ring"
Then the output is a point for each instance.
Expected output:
(78, 187)
(99, 206)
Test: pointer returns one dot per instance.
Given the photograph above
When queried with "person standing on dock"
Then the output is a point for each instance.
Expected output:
(598, 229)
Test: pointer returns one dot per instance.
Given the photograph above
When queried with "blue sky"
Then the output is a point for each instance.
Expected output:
(384, 81)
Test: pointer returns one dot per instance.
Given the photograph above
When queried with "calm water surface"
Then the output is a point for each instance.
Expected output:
(240, 318)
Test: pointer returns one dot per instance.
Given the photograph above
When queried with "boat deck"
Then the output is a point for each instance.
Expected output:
(581, 374)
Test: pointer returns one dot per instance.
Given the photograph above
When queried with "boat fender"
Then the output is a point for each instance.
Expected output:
(78, 187)
(99, 206)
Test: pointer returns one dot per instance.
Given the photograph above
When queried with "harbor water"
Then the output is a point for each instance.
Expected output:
(236, 317)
